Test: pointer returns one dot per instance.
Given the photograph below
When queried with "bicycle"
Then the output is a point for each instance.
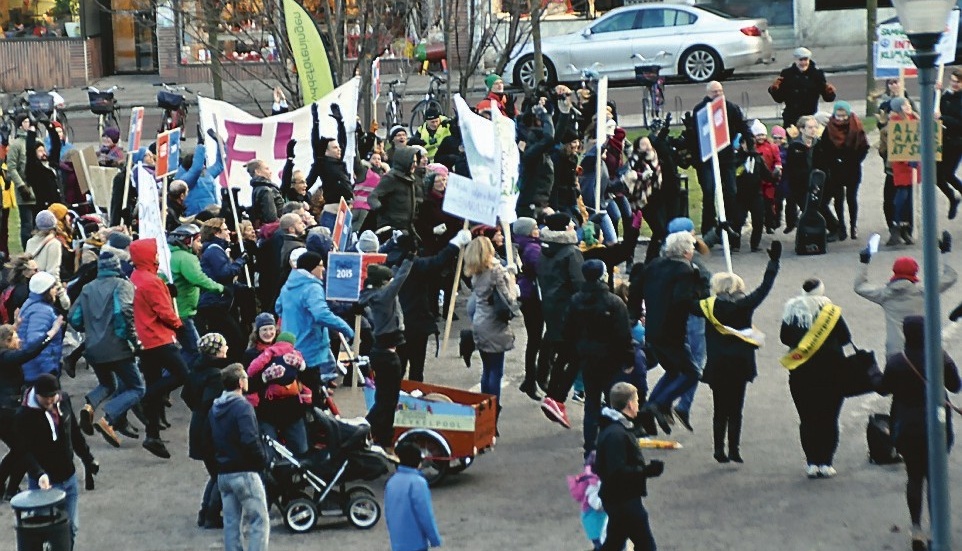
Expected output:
(649, 77)
(392, 109)
(104, 105)
(433, 98)
(174, 106)
(45, 107)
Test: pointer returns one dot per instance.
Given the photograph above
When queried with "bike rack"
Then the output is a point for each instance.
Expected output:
(746, 102)
(680, 110)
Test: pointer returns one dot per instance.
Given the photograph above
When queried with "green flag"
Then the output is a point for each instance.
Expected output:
(313, 68)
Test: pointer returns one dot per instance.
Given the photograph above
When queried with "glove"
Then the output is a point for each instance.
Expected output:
(864, 256)
(461, 239)
(92, 466)
(956, 314)
(90, 469)
(357, 308)
(336, 112)
(440, 229)
(512, 269)
(212, 134)
(314, 113)
(172, 289)
(654, 468)
(273, 372)
(945, 244)
(200, 135)
(775, 251)
(290, 148)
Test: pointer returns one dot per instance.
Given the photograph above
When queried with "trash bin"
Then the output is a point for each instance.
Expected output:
(41, 520)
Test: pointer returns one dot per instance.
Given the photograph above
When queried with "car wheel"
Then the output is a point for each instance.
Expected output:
(700, 64)
(524, 73)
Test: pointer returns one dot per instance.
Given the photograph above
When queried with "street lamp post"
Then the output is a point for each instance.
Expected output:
(924, 21)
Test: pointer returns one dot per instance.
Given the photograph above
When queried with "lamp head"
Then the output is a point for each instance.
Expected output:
(923, 17)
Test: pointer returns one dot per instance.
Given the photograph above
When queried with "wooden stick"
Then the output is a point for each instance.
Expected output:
(347, 347)
(938, 92)
(454, 297)
(508, 249)
(357, 352)
(123, 204)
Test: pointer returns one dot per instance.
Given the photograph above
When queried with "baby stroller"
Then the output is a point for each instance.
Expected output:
(317, 485)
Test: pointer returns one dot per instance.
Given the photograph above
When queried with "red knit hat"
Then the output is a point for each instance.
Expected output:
(905, 267)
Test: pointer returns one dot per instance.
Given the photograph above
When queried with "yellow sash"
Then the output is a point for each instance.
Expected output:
(708, 307)
(813, 340)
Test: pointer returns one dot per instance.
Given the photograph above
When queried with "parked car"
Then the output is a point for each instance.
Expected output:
(696, 42)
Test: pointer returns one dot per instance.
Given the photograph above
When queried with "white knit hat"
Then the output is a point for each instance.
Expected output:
(41, 282)
(758, 128)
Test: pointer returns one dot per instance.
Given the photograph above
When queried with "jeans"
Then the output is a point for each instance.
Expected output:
(72, 490)
(603, 220)
(189, 350)
(492, 370)
(27, 215)
(153, 362)
(699, 355)
(245, 502)
(131, 381)
(628, 520)
(903, 204)
(671, 386)
(597, 375)
(295, 435)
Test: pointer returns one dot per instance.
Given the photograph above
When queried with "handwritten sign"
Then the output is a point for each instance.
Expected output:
(472, 200)
(151, 222)
(905, 141)
(894, 49)
(346, 273)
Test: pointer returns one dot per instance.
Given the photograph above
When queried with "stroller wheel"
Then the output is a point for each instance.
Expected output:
(300, 515)
(362, 510)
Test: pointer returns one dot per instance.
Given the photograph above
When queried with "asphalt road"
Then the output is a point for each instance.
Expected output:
(516, 497)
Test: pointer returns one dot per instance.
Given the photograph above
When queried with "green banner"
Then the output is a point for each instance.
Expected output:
(313, 68)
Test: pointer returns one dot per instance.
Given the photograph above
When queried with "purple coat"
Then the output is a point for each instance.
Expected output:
(529, 250)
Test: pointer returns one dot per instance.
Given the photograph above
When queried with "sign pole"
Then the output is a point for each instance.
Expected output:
(454, 297)
(719, 194)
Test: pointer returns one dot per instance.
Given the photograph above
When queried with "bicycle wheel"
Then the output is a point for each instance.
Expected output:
(420, 110)
(392, 117)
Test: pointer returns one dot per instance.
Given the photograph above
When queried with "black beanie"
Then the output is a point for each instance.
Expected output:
(309, 260)
(558, 221)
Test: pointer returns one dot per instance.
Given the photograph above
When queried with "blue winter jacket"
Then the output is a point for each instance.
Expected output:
(218, 266)
(201, 184)
(408, 512)
(38, 317)
(302, 306)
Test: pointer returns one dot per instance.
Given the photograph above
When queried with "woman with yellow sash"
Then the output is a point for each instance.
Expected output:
(813, 329)
(731, 341)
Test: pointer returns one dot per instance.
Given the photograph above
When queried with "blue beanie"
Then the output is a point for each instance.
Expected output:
(681, 224)
(319, 243)
(593, 269)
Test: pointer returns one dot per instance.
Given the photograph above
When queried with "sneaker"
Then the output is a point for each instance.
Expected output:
(826, 471)
(555, 411)
(104, 428)
(127, 430)
(578, 397)
(531, 391)
(685, 419)
(811, 471)
(87, 419)
(156, 447)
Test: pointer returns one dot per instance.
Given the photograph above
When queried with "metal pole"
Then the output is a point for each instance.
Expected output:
(925, 58)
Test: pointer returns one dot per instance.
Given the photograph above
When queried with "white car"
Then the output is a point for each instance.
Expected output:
(698, 43)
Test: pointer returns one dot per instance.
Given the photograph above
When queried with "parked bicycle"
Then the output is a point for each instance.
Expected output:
(435, 97)
(104, 105)
(174, 105)
(44, 107)
(649, 77)
(392, 109)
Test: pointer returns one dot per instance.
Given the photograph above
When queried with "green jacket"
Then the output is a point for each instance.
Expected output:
(17, 166)
(189, 279)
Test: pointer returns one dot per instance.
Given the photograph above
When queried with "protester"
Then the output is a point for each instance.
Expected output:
(812, 317)
(266, 198)
(215, 307)
(329, 166)
(430, 134)
(37, 317)
(799, 87)
(845, 147)
(189, 279)
(527, 234)
(950, 115)
(42, 170)
(624, 473)
(110, 153)
(200, 179)
(20, 270)
(903, 181)
(279, 399)
(407, 504)
(261, 338)
(505, 102)
(750, 174)
(536, 175)
(17, 172)
(395, 199)
(804, 155)
(905, 381)
(48, 437)
(240, 458)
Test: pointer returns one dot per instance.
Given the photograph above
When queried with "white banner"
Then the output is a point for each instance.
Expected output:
(894, 50)
(494, 162)
(247, 137)
(150, 219)
(601, 136)
(475, 201)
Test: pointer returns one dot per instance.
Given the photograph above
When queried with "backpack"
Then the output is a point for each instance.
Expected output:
(881, 445)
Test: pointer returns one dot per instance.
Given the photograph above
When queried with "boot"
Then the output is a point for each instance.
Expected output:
(894, 236)
(497, 416)
(734, 439)
(906, 234)
(853, 233)
(842, 236)
(718, 430)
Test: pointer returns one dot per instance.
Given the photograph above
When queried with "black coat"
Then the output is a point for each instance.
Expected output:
(536, 174)
(800, 92)
(730, 358)
(598, 327)
(419, 290)
(11, 370)
(950, 105)
(335, 181)
(844, 166)
(559, 277)
(564, 193)
(202, 386)
(620, 464)
(266, 202)
(800, 161)
(668, 287)
(819, 370)
(41, 453)
(44, 179)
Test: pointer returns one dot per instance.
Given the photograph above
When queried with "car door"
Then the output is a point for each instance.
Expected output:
(662, 36)
(608, 42)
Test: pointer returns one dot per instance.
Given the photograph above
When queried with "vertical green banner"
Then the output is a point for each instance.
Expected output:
(313, 68)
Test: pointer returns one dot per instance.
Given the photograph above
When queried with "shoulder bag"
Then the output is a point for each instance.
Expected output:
(859, 373)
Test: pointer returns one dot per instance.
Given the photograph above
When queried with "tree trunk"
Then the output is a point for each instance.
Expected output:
(213, 40)
(535, 14)
(871, 19)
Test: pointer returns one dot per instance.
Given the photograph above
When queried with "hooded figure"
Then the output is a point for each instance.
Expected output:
(536, 176)
(397, 196)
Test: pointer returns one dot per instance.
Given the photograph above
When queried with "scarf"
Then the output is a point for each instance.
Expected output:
(801, 310)
(847, 134)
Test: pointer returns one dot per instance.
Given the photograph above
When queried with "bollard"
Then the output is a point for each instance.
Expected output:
(41, 521)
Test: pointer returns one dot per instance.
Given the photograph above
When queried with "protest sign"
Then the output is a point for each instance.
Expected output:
(717, 113)
(346, 273)
(247, 137)
(905, 140)
(151, 222)
(341, 223)
(472, 200)
(168, 153)
(893, 48)
(136, 128)
(493, 161)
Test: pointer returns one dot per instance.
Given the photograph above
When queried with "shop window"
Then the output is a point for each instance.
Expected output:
(39, 18)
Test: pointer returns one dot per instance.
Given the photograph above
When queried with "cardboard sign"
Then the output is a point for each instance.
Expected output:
(150, 219)
(713, 119)
(136, 128)
(472, 200)
(905, 140)
(342, 226)
(168, 152)
(347, 272)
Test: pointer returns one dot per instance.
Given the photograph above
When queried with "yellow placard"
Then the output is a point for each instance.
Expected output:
(905, 140)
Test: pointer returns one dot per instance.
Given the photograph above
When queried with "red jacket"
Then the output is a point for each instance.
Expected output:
(902, 170)
(154, 315)
(770, 154)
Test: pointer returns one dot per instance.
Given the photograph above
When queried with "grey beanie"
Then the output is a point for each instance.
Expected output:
(119, 240)
(523, 226)
(46, 220)
(368, 242)
(108, 261)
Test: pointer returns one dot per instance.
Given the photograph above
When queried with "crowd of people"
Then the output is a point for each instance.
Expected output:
(239, 320)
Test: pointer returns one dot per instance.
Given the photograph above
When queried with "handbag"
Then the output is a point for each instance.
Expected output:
(859, 373)
(505, 310)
